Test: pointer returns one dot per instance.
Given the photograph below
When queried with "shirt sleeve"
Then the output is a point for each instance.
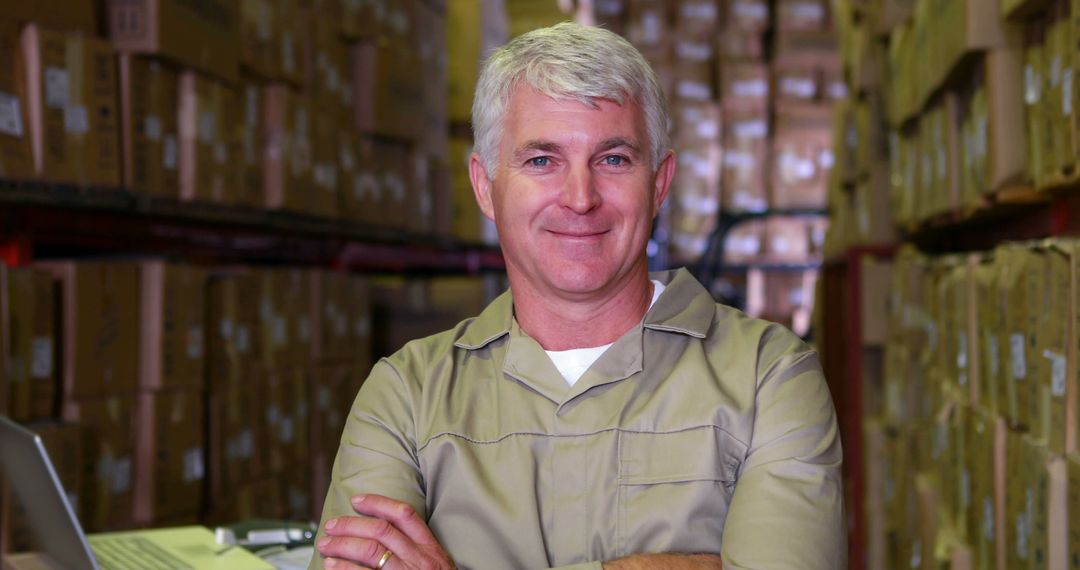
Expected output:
(377, 452)
(789, 485)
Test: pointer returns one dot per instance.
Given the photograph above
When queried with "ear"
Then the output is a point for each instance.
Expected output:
(481, 185)
(665, 173)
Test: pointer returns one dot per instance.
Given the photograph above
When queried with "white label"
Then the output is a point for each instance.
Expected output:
(57, 91)
(756, 11)
(206, 127)
(41, 364)
(750, 88)
(279, 330)
(273, 415)
(243, 339)
(693, 90)
(303, 327)
(708, 130)
(324, 398)
(152, 127)
(226, 328)
(121, 476)
(76, 120)
(699, 11)
(169, 150)
(363, 325)
(739, 160)
(807, 11)
(287, 430)
(1057, 373)
(962, 356)
(251, 106)
(193, 465)
(800, 87)
(194, 342)
(246, 446)
(1016, 349)
(751, 129)
(10, 115)
(693, 51)
(651, 27)
(221, 153)
(1032, 87)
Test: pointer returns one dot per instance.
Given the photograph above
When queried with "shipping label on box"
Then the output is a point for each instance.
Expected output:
(149, 106)
(234, 453)
(744, 170)
(74, 125)
(27, 312)
(203, 35)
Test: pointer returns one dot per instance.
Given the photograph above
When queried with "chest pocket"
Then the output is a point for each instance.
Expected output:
(675, 488)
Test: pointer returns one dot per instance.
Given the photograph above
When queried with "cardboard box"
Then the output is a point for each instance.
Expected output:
(648, 26)
(744, 174)
(28, 320)
(204, 36)
(247, 142)
(170, 457)
(63, 15)
(696, 19)
(234, 456)
(108, 492)
(171, 326)
(65, 445)
(694, 69)
(1073, 486)
(283, 420)
(16, 158)
(431, 37)
(802, 15)
(325, 198)
(259, 21)
(802, 158)
(744, 85)
(288, 150)
(231, 328)
(386, 89)
(71, 93)
(207, 172)
(1056, 418)
(738, 45)
(148, 119)
(99, 327)
(747, 15)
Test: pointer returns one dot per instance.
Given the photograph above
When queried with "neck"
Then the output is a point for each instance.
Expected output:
(566, 322)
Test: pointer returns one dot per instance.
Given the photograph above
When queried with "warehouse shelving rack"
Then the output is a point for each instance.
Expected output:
(1025, 215)
(39, 220)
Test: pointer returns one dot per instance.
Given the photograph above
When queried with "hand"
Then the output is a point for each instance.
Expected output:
(360, 542)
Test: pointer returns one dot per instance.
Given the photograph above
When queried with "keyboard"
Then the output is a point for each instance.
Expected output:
(134, 553)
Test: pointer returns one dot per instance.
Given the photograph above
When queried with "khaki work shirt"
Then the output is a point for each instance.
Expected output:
(699, 431)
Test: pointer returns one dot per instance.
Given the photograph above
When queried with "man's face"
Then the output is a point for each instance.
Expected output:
(574, 194)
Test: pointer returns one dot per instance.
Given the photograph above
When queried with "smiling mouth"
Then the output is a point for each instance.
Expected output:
(577, 234)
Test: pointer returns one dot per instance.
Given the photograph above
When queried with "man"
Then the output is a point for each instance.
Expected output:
(591, 416)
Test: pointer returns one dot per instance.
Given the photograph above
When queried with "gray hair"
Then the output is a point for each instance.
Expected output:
(567, 61)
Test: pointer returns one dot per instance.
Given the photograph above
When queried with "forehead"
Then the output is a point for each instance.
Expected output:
(531, 115)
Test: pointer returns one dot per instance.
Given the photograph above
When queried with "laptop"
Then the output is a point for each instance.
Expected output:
(25, 464)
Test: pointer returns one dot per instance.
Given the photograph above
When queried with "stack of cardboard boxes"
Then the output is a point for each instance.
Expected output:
(282, 105)
(978, 399)
(752, 130)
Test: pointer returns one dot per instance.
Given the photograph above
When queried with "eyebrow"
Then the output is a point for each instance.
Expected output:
(616, 142)
(536, 145)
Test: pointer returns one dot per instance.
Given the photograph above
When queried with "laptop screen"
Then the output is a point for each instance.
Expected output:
(25, 465)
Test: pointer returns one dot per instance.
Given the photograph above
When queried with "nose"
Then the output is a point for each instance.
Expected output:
(579, 194)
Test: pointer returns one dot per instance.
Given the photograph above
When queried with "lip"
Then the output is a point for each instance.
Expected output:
(576, 235)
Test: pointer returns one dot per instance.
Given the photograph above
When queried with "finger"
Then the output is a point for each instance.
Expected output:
(355, 550)
(340, 564)
(400, 514)
(380, 531)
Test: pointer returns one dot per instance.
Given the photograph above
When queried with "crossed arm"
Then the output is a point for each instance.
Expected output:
(388, 525)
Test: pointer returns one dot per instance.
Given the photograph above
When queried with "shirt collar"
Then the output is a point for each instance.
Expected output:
(684, 307)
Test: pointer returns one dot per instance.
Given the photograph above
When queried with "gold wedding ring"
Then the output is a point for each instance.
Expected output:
(385, 557)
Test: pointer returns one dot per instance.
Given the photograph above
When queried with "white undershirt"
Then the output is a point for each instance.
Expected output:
(573, 363)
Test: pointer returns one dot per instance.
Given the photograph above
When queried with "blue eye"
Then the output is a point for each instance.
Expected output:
(539, 161)
(614, 160)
